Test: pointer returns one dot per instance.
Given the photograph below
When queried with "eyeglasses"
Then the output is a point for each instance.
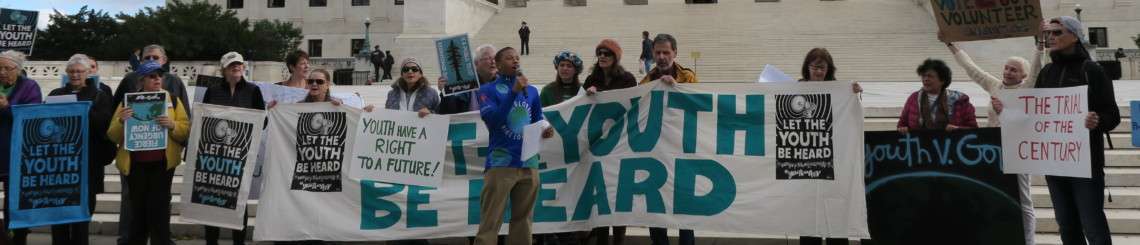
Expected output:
(1055, 33)
(8, 68)
(605, 53)
(410, 69)
(315, 81)
(818, 67)
(151, 57)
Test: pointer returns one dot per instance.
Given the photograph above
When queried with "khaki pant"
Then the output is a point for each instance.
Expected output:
(521, 186)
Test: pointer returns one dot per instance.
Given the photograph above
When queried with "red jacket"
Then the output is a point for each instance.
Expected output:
(961, 111)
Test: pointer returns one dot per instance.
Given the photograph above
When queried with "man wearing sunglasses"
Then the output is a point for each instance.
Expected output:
(170, 82)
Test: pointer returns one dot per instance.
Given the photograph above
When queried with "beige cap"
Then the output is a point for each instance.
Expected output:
(230, 58)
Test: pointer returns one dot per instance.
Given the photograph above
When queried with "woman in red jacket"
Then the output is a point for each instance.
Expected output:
(934, 106)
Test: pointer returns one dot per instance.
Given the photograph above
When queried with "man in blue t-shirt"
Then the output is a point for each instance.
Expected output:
(507, 106)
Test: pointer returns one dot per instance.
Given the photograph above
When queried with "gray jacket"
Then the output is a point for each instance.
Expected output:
(424, 97)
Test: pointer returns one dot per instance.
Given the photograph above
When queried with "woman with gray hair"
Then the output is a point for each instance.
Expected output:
(81, 83)
(1079, 202)
(15, 89)
(1016, 73)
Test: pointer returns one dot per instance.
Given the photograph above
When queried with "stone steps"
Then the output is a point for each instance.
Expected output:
(892, 38)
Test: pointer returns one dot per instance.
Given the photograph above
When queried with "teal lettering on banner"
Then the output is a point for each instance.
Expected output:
(728, 122)
(372, 195)
(543, 213)
(639, 140)
(417, 217)
(650, 187)
(685, 199)
(569, 130)
(371, 198)
(457, 133)
(593, 194)
(691, 104)
(603, 112)
(474, 189)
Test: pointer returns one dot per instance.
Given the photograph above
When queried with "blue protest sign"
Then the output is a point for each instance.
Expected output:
(48, 165)
(1135, 108)
(143, 133)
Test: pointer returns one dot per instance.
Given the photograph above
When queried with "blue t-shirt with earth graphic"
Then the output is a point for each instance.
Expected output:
(506, 113)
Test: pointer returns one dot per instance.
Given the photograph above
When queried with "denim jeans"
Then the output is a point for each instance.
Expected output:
(1079, 206)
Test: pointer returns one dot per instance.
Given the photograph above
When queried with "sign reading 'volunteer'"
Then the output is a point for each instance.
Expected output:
(970, 20)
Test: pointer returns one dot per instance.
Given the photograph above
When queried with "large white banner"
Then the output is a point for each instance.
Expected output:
(695, 156)
(399, 147)
(1046, 133)
(219, 164)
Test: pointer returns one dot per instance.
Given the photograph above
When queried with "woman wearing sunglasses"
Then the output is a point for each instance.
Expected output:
(318, 85)
(608, 74)
(149, 174)
(411, 92)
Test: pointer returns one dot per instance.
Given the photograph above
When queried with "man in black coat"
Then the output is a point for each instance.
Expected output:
(389, 60)
(524, 34)
(377, 59)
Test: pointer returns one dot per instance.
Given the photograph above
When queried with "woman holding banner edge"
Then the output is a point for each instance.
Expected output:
(235, 92)
(934, 107)
(820, 67)
(15, 89)
(85, 88)
(1078, 202)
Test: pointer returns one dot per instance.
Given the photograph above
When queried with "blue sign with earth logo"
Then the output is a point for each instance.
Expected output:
(143, 132)
(1135, 108)
(48, 165)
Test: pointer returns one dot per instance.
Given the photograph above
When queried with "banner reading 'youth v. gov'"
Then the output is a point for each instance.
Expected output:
(695, 156)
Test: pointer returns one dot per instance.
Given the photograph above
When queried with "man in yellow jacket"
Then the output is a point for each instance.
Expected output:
(148, 174)
(666, 70)
(669, 72)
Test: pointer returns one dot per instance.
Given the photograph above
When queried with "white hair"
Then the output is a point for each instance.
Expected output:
(160, 49)
(1021, 62)
(80, 59)
(484, 51)
(16, 57)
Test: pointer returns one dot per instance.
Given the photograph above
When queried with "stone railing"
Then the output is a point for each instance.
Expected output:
(115, 70)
